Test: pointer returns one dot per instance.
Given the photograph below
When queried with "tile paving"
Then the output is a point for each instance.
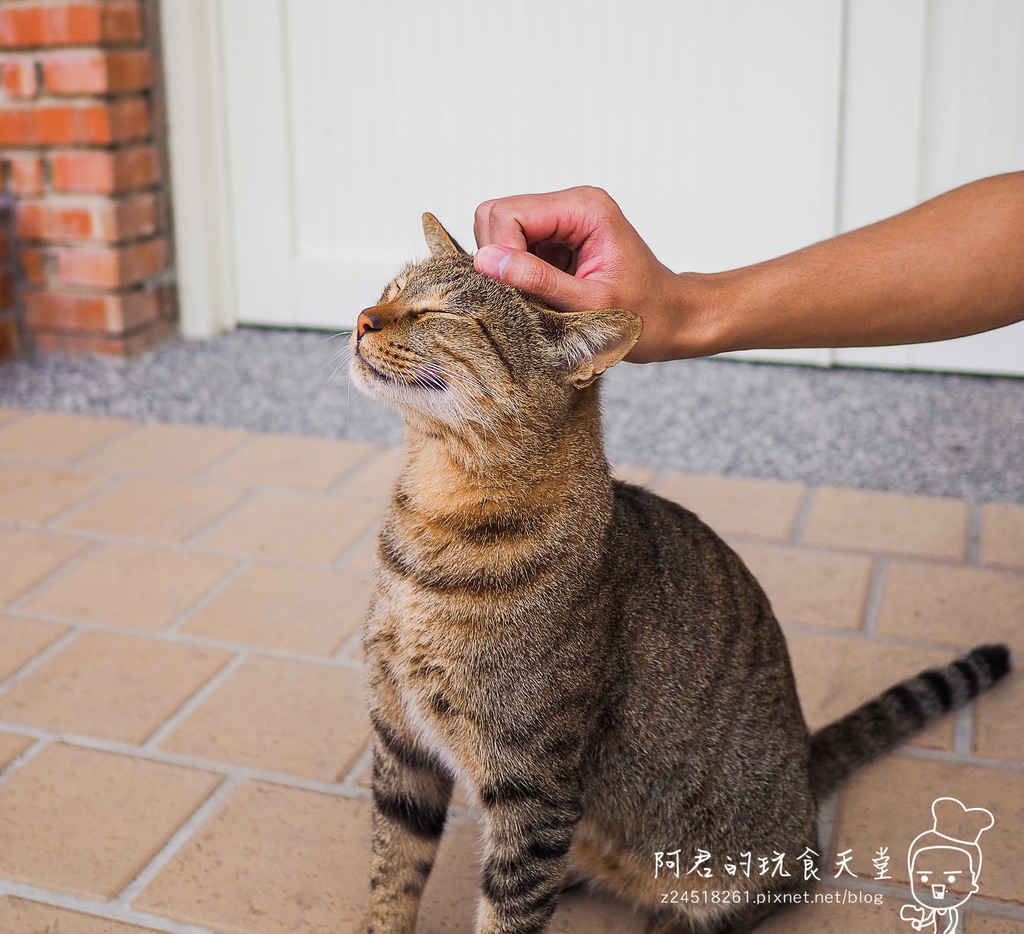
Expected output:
(183, 748)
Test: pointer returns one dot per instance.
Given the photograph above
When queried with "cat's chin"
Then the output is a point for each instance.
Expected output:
(389, 388)
(371, 381)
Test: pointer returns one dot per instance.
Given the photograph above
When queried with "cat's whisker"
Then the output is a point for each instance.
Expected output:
(341, 358)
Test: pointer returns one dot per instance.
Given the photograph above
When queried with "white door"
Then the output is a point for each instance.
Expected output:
(934, 97)
(728, 130)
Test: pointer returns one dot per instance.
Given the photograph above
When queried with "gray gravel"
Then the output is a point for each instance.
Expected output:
(937, 434)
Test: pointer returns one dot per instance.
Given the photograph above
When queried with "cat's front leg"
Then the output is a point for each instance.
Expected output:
(529, 829)
(410, 797)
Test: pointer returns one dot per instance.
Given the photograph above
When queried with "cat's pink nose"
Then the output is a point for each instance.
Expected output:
(366, 322)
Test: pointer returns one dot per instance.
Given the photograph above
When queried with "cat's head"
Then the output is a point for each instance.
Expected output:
(448, 346)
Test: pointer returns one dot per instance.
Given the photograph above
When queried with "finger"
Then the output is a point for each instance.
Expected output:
(531, 274)
(496, 221)
(567, 217)
(481, 223)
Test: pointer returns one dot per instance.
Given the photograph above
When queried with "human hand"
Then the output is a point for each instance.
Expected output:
(576, 251)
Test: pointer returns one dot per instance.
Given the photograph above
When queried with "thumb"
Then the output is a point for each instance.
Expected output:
(531, 274)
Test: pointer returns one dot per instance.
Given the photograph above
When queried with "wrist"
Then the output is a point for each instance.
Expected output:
(702, 315)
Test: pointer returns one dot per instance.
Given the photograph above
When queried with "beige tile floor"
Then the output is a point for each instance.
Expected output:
(182, 742)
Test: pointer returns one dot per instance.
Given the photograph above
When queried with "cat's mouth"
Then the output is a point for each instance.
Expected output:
(418, 379)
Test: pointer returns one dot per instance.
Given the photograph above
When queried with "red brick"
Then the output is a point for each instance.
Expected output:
(122, 22)
(77, 23)
(33, 261)
(134, 216)
(129, 119)
(5, 240)
(111, 267)
(22, 26)
(49, 220)
(17, 126)
(111, 314)
(24, 173)
(19, 78)
(58, 218)
(97, 123)
(105, 172)
(89, 71)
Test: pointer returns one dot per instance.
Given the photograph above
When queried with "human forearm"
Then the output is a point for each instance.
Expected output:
(951, 266)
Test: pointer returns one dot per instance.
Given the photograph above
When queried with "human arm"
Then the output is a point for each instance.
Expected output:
(949, 267)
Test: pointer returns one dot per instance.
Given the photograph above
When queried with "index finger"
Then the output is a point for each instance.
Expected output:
(566, 217)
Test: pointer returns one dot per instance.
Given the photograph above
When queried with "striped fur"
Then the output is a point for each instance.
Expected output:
(882, 724)
(595, 665)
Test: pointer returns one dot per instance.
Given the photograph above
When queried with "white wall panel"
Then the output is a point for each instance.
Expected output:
(730, 131)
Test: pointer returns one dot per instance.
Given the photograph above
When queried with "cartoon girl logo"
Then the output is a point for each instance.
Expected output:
(944, 864)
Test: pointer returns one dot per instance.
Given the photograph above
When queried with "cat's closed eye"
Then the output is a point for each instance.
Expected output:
(393, 289)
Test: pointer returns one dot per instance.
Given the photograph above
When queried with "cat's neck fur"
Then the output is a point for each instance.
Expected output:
(545, 463)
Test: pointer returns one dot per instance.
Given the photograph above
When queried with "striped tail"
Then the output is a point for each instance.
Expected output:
(882, 724)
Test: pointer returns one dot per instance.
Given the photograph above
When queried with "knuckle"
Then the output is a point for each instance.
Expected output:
(600, 203)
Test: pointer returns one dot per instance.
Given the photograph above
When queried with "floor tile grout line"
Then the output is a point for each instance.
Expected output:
(249, 495)
(963, 730)
(22, 760)
(211, 594)
(875, 595)
(109, 538)
(828, 811)
(822, 547)
(220, 767)
(972, 552)
(658, 476)
(348, 647)
(40, 658)
(104, 489)
(857, 634)
(936, 755)
(248, 437)
(335, 489)
(108, 911)
(256, 493)
(369, 534)
(57, 574)
(802, 517)
(193, 702)
(203, 475)
(132, 426)
(980, 905)
(359, 768)
(176, 841)
(78, 457)
(196, 641)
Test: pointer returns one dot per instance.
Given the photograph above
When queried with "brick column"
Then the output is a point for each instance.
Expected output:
(80, 126)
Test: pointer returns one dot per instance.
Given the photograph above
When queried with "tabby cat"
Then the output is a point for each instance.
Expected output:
(597, 667)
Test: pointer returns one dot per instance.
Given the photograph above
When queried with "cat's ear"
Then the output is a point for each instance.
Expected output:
(586, 343)
(438, 239)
